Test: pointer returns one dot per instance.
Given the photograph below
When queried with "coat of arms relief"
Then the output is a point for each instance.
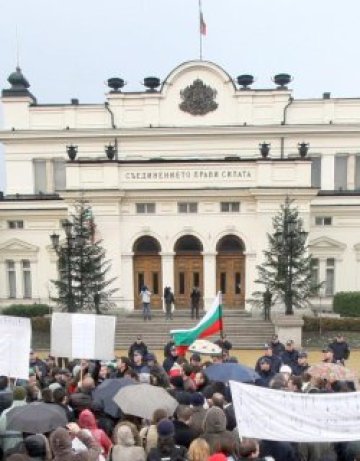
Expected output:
(198, 98)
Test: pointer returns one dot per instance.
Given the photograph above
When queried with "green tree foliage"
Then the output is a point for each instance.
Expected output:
(82, 267)
(286, 269)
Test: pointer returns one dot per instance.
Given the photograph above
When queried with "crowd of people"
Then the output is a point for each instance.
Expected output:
(203, 427)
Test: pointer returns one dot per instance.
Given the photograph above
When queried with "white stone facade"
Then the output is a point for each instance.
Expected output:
(167, 156)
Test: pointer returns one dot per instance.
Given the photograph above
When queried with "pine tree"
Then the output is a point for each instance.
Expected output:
(82, 267)
(286, 270)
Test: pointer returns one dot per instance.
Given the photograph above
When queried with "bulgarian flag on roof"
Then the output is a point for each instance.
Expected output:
(210, 324)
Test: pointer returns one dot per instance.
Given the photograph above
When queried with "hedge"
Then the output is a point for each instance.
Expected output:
(27, 310)
(331, 324)
(41, 324)
(347, 303)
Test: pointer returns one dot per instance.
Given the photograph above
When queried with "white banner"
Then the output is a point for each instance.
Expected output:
(15, 340)
(294, 417)
(83, 336)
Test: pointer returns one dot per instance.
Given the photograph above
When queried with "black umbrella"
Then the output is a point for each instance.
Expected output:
(36, 418)
(106, 391)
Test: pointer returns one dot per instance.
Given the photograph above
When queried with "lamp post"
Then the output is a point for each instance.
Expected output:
(55, 240)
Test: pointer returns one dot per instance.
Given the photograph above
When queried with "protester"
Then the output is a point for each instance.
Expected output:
(199, 450)
(215, 428)
(340, 349)
(137, 345)
(166, 447)
(87, 421)
(265, 373)
(37, 447)
(145, 298)
(302, 364)
(10, 438)
(184, 434)
(328, 355)
(6, 396)
(125, 448)
(149, 434)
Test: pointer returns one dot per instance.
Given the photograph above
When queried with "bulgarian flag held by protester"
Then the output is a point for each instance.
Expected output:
(210, 324)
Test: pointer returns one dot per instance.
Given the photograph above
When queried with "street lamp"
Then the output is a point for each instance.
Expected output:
(55, 241)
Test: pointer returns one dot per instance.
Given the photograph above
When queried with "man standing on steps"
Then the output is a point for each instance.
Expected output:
(138, 345)
(169, 300)
(195, 302)
(145, 298)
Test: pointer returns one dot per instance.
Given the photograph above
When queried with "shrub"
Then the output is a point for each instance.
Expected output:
(29, 310)
(331, 324)
(41, 324)
(347, 303)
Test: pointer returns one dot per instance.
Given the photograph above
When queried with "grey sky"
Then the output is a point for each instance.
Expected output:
(68, 48)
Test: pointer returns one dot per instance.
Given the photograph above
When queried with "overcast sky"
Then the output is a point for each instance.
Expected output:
(68, 48)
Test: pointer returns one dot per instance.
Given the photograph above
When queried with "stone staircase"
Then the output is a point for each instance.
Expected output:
(243, 331)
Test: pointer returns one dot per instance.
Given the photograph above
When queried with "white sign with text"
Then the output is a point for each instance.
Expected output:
(15, 341)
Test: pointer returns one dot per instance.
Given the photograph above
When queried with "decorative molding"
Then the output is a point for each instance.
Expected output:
(198, 98)
(16, 249)
(323, 247)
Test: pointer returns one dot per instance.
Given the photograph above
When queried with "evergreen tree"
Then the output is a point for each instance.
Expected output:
(82, 284)
(286, 270)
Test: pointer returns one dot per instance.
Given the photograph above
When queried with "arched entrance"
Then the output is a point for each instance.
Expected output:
(147, 270)
(230, 271)
(188, 269)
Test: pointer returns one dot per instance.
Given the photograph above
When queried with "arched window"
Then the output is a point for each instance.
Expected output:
(146, 245)
(188, 244)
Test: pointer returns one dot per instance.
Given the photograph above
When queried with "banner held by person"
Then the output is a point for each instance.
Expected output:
(83, 336)
(210, 324)
(295, 417)
(15, 341)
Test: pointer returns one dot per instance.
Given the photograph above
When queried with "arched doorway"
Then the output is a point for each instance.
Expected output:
(147, 270)
(188, 269)
(230, 271)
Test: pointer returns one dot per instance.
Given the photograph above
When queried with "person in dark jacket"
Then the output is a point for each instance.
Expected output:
(138, 345)
(280, 451)
(277, 347)
(274, 359)
(301, 365)
(290, 355)
(195, 297)
(265, 373)
(184, 434)
(215, 428)
(166, 447)
(340, 348)
(170, 359)
(6, 395)
(37, 447)
(223, 342)
(169, 300)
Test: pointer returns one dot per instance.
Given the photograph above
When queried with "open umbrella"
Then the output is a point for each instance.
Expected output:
(106, 391)
(142, 400)
(36, 418)
(332, 372)
(225, 372)
(203, 346)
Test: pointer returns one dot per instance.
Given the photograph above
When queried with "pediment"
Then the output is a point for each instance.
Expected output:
(18, 246)
(327, 243)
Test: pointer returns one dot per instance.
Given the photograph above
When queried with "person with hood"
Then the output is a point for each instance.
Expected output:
(37, 447)
(61, 444)
(215, 429)
(197, 401)
(166, 447)
(87, 421)
(125, 448)
(149, 433)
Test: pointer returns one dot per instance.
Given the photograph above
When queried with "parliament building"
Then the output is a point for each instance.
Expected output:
(183, 179)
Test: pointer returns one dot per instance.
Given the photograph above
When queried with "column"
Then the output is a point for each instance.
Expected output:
(209, 271)
(167, 271)
(250, 276)
(351, 172)
(127, 280)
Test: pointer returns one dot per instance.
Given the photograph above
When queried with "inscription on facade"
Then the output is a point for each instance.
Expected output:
(188, 175)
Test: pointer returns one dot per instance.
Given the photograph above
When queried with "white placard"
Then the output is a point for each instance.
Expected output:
(294, 417)
(15, 341)
(83, 336)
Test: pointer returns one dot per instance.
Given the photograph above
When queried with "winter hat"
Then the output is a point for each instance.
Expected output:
(197, 399)
(217, 457)
(19, 393)
(165, 428)
(285, 369)
(35, 446)
(215, 420)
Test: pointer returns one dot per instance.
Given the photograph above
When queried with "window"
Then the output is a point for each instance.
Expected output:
(187, 207)
(357, 172)
(323, 220)
(315, 273)
(330, 277)
(340, 172)
(316, 172)
(237, 283)
(145, 208)
(181, 283)
(11, 278)
(49, 175)
(15, 224)
(230, 207)
(223, 282)
(155, 277)
(26, 273)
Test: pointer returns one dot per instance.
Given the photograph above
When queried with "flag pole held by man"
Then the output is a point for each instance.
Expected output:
(210, 324)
